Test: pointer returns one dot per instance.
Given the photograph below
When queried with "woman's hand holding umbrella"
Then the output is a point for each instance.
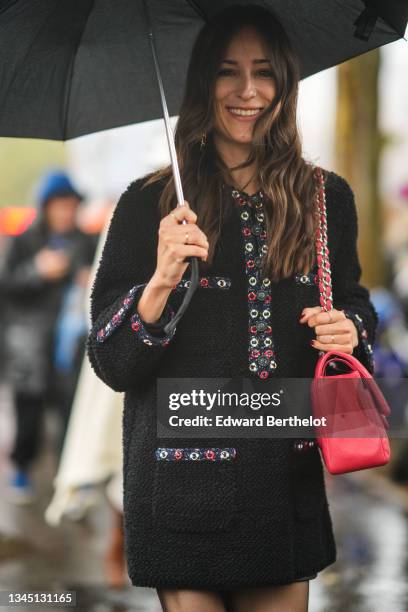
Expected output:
(179, 238)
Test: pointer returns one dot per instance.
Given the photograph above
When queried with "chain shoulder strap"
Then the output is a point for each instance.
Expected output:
(322, 251)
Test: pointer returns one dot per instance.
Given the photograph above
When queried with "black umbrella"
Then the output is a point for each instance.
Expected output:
(74, 67)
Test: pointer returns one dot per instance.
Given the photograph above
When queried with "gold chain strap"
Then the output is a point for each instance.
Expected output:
(322, 251)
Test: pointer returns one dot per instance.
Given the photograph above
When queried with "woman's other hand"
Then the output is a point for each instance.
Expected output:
(176, 242)
(343, 329)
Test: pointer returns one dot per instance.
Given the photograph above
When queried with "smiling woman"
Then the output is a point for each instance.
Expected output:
(237, 524)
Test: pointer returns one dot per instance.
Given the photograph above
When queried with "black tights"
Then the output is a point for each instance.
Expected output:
(286, 598)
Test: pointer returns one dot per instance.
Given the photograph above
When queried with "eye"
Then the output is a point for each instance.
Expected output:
(225, 72)
(265, 73)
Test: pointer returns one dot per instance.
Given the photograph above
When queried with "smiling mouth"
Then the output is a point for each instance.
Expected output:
(244, 112)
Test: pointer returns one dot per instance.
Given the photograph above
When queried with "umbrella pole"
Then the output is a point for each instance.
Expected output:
(176, 174)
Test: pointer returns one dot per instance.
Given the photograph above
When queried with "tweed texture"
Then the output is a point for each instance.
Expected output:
(262, 518)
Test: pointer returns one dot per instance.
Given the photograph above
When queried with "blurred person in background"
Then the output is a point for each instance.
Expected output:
(39, 268)
(90, 468)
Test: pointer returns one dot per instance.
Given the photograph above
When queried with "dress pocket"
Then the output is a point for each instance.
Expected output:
(194, 496)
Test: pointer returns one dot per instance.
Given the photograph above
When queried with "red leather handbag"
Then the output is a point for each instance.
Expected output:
(353, 436)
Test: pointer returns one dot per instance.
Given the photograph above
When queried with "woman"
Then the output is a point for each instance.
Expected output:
(237, 524)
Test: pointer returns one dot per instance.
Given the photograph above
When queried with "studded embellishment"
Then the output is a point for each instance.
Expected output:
(195, 454)
(261, 350)
(145, 336)
(206, 282)
(136, 321)
(363, 336)
(302, 445)
(307, 279)
(119, 316)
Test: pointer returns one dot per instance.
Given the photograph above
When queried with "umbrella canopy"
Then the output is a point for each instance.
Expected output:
(73, 67)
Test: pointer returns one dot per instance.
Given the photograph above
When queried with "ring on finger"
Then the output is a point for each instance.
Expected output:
(332, 339)
(187, 235)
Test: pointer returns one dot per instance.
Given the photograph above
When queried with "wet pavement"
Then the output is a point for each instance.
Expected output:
(370, 519)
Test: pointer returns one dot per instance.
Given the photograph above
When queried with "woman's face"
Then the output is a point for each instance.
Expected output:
(244, 87)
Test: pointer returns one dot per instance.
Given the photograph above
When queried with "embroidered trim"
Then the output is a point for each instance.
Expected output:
(363, 335)
(206, 282)
(302, 445)
(261, 350)
(195, 454)
(307, 279)
(119, 316)
(147, 337)
(136, 322)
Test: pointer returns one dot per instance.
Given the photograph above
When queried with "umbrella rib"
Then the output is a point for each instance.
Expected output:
(69, 80)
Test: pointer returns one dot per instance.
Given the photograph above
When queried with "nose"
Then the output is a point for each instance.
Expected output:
(247, 89)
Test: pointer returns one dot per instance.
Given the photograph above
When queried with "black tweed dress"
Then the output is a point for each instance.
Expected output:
(220, 513)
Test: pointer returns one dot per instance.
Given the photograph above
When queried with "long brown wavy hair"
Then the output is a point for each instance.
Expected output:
(284, 176)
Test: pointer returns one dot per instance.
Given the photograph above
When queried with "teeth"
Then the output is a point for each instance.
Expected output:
(244, 113)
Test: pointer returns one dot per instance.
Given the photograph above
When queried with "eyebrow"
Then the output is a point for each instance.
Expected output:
(255, 61)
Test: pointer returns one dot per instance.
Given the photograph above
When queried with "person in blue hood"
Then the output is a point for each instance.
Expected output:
(38, 268)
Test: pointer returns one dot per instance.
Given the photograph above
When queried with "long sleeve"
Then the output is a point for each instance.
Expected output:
(348, 294)
(122, 348)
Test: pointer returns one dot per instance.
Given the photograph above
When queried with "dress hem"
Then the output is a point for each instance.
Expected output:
(223, 587)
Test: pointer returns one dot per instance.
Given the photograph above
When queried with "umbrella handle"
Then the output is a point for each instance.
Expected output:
(189, 294)
(176, 174)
